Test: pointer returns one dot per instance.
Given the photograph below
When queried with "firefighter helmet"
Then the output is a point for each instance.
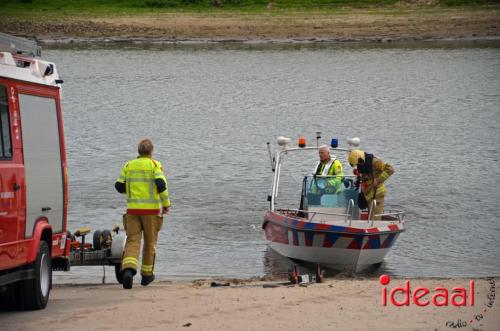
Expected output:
(354, 157)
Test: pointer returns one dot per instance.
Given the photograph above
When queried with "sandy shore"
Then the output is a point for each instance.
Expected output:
(382, 24)
(337, 304)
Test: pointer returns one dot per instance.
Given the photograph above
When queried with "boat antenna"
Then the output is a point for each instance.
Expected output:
(270, 156)
(318, 137)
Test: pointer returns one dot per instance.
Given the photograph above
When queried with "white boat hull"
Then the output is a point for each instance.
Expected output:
(333, 258)
(334, 245)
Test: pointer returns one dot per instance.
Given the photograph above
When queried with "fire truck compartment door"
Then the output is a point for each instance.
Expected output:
(42, 161)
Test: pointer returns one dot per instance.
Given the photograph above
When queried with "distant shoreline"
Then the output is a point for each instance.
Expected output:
(380, 25)
(114, 41)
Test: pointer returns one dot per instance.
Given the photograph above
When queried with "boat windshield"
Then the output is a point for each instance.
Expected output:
(329, 191)
(296, 176)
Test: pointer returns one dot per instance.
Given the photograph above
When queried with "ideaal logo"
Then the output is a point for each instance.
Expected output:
(441, 296)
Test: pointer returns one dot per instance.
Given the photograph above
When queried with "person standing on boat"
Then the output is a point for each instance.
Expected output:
(329, 167)
(145, 186)
(372, 172)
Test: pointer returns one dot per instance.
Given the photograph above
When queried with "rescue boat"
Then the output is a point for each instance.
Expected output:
(325, 228)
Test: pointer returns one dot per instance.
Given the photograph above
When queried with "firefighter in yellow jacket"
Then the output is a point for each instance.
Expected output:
(372, 172)
(145, 186)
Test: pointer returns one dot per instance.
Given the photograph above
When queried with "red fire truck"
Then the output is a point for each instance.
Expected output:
(33, 183)
(33, 178)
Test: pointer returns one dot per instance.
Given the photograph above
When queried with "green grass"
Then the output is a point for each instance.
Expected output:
(84, 8)
(453, 3)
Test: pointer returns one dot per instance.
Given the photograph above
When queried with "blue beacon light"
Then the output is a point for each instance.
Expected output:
(334, 143)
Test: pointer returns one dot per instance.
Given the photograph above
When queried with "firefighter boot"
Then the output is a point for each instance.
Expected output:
(146, 280)
(128, 278)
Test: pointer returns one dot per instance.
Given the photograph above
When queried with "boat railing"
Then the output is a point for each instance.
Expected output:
(372, 210)
(349, 211)
(398, 215)
(308, 212)
(392, 214)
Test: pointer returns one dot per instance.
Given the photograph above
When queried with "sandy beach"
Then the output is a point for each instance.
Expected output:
(379, 24)
(336, 304)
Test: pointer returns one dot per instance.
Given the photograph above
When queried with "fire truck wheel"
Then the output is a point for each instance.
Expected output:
(118, 273)
(97, 240)
(36, 291)
(9, 297)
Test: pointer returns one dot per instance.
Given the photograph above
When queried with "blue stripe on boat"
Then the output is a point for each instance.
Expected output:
(309, 237)
(374, 241)
(389, 241)
(332, 237)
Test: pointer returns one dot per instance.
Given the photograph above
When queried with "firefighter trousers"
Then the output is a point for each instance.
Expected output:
(136, 226)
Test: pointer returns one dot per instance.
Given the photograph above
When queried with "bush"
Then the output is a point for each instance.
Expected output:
(161, 3)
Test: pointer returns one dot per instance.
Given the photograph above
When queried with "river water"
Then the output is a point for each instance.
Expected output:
(432, 110)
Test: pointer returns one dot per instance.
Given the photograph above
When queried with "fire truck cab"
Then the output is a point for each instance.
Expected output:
(33, 175)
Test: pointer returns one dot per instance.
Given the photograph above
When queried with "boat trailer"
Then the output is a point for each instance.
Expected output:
(106, 249)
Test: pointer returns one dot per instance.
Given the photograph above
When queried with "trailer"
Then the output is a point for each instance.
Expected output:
(106, 249)
(34, 237)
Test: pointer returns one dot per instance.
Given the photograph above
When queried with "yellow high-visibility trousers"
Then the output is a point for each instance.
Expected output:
(379, 208)
(137, 226)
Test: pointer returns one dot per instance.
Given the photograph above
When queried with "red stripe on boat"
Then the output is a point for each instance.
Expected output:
(393, 227)
(321, 227)
(354, 244)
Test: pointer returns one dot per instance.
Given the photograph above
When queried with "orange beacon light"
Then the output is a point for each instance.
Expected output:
(302, 141)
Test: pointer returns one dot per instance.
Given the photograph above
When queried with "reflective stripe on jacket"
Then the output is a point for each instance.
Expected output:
(382, 171)
(139, 176)
(332, 168)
